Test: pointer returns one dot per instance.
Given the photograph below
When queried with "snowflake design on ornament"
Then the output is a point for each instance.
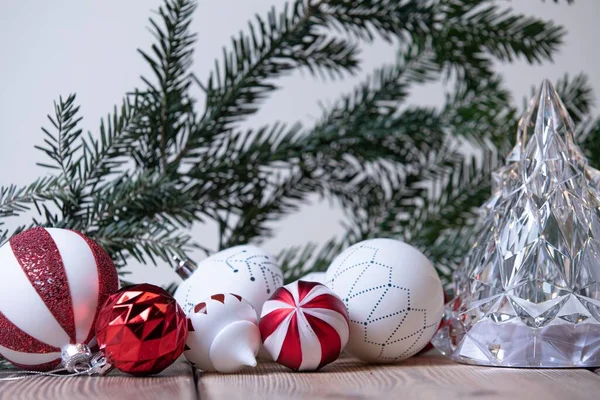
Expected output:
(268, 268)
(363, 290)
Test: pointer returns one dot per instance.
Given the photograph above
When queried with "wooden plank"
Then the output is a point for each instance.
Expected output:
(176, 382)
(431, 376)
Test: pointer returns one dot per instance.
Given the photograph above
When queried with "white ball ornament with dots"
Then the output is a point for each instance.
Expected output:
(246, 270)
(393, 295)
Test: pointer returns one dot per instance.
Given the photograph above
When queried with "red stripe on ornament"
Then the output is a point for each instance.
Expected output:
(291, 349)
(304, 289)
(331, 344)
(108, 280)
(270, 322)
(284, 295)
(14, 338)
(40, 259)
(327, 301)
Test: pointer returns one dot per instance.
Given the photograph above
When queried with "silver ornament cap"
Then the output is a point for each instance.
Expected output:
(76, 357)
(184, 268)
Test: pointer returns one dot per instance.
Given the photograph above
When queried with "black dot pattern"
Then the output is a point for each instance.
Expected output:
(254, 266)
(359, 288)
(267, 267)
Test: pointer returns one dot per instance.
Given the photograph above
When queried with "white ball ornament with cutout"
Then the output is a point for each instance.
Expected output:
(223, 334)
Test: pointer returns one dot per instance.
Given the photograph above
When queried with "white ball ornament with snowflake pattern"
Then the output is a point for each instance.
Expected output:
(246, 270)
(393, 295)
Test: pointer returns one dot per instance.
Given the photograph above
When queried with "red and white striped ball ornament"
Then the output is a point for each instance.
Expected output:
(304, 326)
(54, 282)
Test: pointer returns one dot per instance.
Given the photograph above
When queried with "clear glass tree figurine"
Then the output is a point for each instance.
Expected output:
(528, 292)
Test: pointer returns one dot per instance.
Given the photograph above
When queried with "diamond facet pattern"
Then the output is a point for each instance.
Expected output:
(528, 292)
(141, 329)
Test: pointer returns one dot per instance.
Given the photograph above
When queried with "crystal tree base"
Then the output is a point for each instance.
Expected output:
(528, 293)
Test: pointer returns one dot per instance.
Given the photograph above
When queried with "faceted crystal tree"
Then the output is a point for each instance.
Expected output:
(528, 292)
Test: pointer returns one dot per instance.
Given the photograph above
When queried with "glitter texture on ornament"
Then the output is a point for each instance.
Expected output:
(528, 292)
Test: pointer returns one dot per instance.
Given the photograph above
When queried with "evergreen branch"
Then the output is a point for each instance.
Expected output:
(469, 31)
(265, 203)
(142, 242)
(15, 200)
(165, 103)
(104, 157)
(388, 19)
(365, 123)
(452, 202)
(504, 34)
(160, 164)
(159, 201)
(274, 46)
(480, 112)
(59, 145)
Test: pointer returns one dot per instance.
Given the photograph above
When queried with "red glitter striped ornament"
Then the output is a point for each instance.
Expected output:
(54, 282)
(304, 326)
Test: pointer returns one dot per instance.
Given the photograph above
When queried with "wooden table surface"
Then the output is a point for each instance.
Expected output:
(428, 376)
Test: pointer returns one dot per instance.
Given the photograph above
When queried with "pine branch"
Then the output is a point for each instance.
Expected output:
(507, 35)
(144, 242)
(160, 164)
(104, 157)
(470, 31)
(59, 145)
(61, 148)
(166, 103)
(14, 200)
(284, 41)
(389, 19)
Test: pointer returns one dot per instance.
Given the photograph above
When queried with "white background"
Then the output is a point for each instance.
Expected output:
(49, 48)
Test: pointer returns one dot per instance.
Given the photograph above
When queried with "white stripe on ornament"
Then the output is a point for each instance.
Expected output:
(333, 318)
(274, 305)
(314, 292)
(28, 358)
(293, 289)
(309, 343)
(274, 342)
(21, 304)
(82, 275)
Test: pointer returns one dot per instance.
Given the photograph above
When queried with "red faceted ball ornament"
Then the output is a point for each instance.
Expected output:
(141, 329)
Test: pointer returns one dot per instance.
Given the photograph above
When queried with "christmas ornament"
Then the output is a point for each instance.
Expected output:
(141, 330)
(223, 334)
(53, 284)
(304, 326)
(527, 294)
(245, 270)
(393, 295)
